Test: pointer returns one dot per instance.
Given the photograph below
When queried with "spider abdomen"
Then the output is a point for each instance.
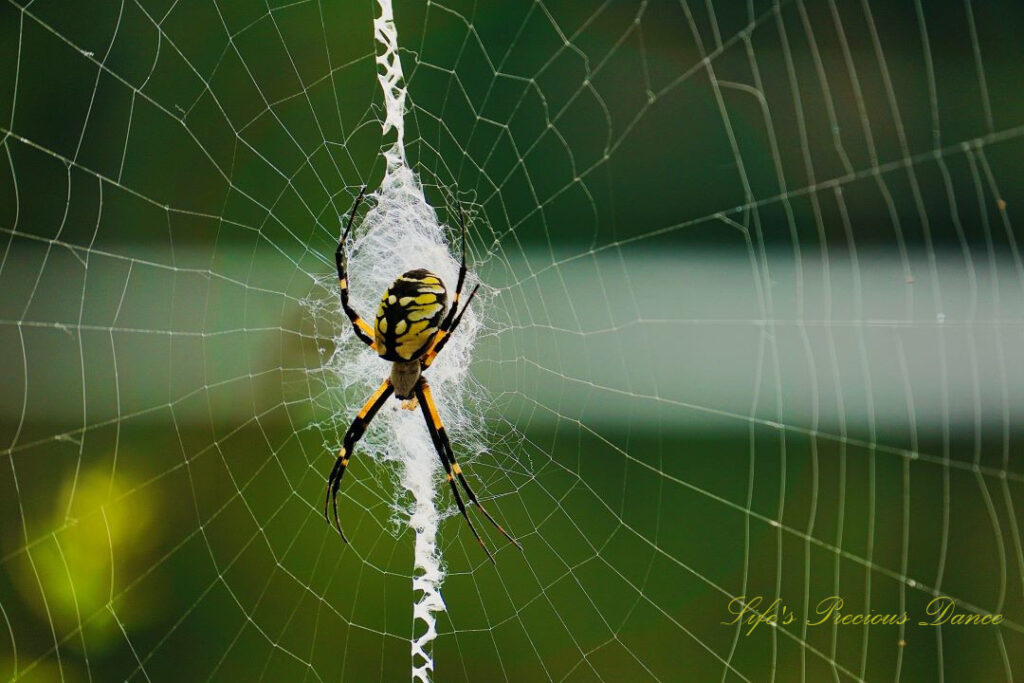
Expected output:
(409, 315)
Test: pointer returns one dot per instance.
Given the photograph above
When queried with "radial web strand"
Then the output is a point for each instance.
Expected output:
(750, 325)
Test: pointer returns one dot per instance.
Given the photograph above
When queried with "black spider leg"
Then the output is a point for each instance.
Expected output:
(451, 321)
(354, 433)
(446, 324)
(432, 427)
(362, 329)
(433, 418)
(445, 335)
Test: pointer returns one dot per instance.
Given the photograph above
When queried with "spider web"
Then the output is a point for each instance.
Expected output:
(753, 328)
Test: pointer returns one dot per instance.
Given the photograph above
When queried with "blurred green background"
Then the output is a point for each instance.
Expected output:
(756, 330)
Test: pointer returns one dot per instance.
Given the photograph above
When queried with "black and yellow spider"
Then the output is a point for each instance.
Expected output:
(409, 332)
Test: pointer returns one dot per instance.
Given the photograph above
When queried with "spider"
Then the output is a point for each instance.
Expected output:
(409, 332)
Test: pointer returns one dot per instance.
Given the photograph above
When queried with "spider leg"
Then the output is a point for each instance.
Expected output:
(362, 329)
(444, 446)
(443, 335)
(439, 447)
(354, 433)
(446, 324)
(451, 321)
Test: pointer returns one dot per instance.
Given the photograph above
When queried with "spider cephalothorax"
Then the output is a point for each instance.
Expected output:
(410, 329)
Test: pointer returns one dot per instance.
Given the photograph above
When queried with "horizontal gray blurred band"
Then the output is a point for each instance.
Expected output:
(627, 338)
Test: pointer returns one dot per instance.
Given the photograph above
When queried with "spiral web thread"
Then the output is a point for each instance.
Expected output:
(875, 373)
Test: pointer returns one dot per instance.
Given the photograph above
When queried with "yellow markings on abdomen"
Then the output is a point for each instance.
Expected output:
(423, 312)
(409, 315)
(416, 328)
(413, 341)
(421, 299)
